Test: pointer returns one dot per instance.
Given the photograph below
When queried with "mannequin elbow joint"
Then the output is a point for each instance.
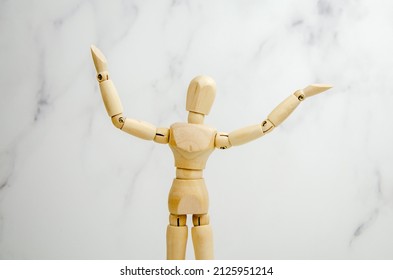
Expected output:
(118, 121)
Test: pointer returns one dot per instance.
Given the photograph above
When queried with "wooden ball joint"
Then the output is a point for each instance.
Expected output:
(191, 144)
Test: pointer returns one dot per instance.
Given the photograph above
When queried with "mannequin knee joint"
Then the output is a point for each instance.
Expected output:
(200, 220)
(177, 220)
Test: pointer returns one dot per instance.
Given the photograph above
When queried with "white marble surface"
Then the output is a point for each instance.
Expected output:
(319, 187)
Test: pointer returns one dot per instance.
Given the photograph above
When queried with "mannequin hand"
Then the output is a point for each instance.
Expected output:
(311, 90)
(100, 63)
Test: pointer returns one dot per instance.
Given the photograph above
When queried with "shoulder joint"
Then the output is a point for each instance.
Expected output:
(162, 135)
(222, 141)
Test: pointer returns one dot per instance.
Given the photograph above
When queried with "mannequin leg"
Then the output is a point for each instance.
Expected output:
(176, 237)
(202, 237)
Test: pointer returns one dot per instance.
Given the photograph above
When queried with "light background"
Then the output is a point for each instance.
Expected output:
(319, 187)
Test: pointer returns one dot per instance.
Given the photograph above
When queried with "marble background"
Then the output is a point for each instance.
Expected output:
(319, 187)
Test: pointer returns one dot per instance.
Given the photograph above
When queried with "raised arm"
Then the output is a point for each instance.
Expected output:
(275, 118)
(114, 108)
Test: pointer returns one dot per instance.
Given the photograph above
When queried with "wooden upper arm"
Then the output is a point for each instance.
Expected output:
(242, 135)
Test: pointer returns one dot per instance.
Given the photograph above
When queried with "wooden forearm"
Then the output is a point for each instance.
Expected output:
(111, 98)
(283, 110)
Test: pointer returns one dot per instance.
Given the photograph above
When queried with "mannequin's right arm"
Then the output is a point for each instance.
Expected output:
(114, 108)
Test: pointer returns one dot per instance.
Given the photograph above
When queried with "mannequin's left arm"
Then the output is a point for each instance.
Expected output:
(274, 119)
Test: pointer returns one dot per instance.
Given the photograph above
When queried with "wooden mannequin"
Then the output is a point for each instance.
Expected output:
(191, 144)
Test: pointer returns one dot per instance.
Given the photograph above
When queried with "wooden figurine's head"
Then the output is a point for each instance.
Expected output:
(200, 95)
